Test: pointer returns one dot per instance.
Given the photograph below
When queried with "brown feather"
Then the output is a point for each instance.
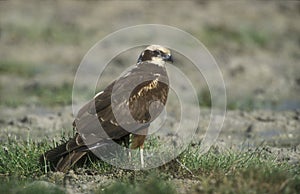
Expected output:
(97, 114)
(65, 155)
(65, 163)
(139, 139)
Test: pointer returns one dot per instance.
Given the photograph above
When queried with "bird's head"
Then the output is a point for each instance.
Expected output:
(156, 53)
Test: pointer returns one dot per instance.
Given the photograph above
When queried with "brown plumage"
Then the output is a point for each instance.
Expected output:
(151, 80)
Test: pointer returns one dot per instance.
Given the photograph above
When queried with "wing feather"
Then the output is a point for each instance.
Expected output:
(98, 113)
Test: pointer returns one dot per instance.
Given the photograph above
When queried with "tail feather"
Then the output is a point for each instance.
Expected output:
(64, 156)
(55, 153)
(69, 160)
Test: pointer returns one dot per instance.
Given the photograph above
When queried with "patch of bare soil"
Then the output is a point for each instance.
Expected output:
(278, 132)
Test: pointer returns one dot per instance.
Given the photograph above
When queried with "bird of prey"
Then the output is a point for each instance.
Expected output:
(122, 111)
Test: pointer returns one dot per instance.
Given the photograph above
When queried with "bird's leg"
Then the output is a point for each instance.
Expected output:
(138, 142)
(126, 143)
(129, 155)
(142, 155)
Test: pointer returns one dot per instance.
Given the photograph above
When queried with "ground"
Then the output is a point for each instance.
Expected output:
(255, 44)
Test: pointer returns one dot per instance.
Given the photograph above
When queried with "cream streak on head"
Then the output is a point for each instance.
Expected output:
(156, 54)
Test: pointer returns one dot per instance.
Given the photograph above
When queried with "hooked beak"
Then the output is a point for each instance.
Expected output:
(168, 58)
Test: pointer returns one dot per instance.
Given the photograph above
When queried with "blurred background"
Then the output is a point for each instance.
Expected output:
(256, 45)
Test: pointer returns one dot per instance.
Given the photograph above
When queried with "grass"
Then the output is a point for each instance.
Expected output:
(51, 95)
(254, 171)
(245, 104)
(152, 184)
(18, 68)
(39, 94)
(19, 158)
(204, 98)
(52, 32)
(250, 104)
(27, 187)
(244, 36)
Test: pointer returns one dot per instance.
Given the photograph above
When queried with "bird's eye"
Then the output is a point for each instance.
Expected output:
(156, 52)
